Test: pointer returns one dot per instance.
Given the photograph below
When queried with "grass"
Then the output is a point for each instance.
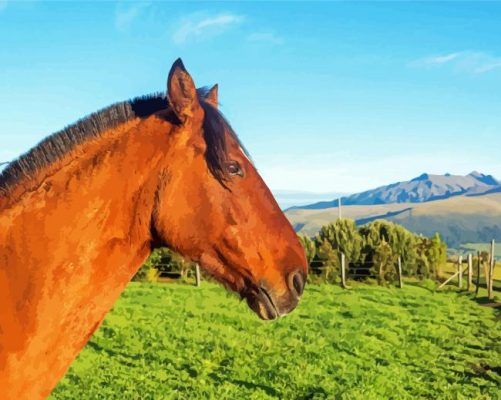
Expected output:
(178, 342)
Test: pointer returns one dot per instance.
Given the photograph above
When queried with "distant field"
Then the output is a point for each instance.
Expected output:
(178, 342)
(459, 219)
(483, 247)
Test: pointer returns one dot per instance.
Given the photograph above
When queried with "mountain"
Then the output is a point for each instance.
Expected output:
(459, 219)
(423, 188)
(463, 209)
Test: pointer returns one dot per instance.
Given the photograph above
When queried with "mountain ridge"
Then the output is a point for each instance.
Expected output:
(423, 188)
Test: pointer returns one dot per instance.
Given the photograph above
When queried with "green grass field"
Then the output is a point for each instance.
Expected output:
(173, 341)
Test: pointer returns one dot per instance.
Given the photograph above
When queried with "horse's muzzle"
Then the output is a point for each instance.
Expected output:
(268, 307)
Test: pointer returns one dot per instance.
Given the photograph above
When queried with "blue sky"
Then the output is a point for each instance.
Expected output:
(326, 96)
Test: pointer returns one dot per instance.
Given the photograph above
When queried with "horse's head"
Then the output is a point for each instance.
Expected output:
(213, 207)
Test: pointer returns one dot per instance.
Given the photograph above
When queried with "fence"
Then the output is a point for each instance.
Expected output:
(488, 268)
(464, 265)
(168, 276)
(465, 268)
(357, 272)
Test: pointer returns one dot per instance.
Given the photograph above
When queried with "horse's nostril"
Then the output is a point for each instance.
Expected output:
(296, 282)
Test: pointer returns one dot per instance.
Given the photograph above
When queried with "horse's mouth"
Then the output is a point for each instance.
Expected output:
(262, 303)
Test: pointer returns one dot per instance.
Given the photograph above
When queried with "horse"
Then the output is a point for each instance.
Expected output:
(81, 212)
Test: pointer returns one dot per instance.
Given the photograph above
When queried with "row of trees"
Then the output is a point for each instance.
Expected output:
(373, 249)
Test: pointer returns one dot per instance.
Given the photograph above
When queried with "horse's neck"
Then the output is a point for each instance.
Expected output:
(70, 248)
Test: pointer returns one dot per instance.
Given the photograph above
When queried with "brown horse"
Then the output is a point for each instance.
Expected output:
(81, 212)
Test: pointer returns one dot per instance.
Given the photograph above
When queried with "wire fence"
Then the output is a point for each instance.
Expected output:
(468, 273)
(469, 267)
(360, 270)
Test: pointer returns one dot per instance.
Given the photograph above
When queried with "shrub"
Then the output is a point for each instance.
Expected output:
(374, 247)
(164, 260)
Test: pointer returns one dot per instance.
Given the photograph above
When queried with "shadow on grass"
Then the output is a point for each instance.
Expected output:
(485, 371)
(248, 385)
(100, 349)
(420, 286)
(486, 302)
(313, 393)
(123, 357)
(483, 300)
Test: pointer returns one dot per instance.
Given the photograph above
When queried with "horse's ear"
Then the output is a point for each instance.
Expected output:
(211, 96)
(181, 91)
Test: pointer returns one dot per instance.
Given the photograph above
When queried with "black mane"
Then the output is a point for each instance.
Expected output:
(55, 146)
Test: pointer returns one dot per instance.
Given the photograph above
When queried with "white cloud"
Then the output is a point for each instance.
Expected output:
(489, 67)
(473, 62)
(265, 37)
(196, 28)
(126, 14)
(441, 59)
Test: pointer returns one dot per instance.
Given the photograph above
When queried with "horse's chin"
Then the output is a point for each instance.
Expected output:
(263, 305)
(259, 300)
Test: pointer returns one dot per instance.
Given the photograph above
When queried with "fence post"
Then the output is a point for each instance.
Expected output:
(470, 272)
(399, 272)
(343, 271)
(460, 273)
(490, 279)
(197, 274)
(478, 274)
(487, 266)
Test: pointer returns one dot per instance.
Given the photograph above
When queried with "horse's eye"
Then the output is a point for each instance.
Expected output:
(233, 168)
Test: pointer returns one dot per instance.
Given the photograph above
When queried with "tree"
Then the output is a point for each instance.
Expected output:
(401, 241)
(344, 237)
(328, 260)
(309, 247)
(384, 261)
(437, 255)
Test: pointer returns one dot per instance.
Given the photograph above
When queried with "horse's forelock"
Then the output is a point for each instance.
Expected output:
(216, 131)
